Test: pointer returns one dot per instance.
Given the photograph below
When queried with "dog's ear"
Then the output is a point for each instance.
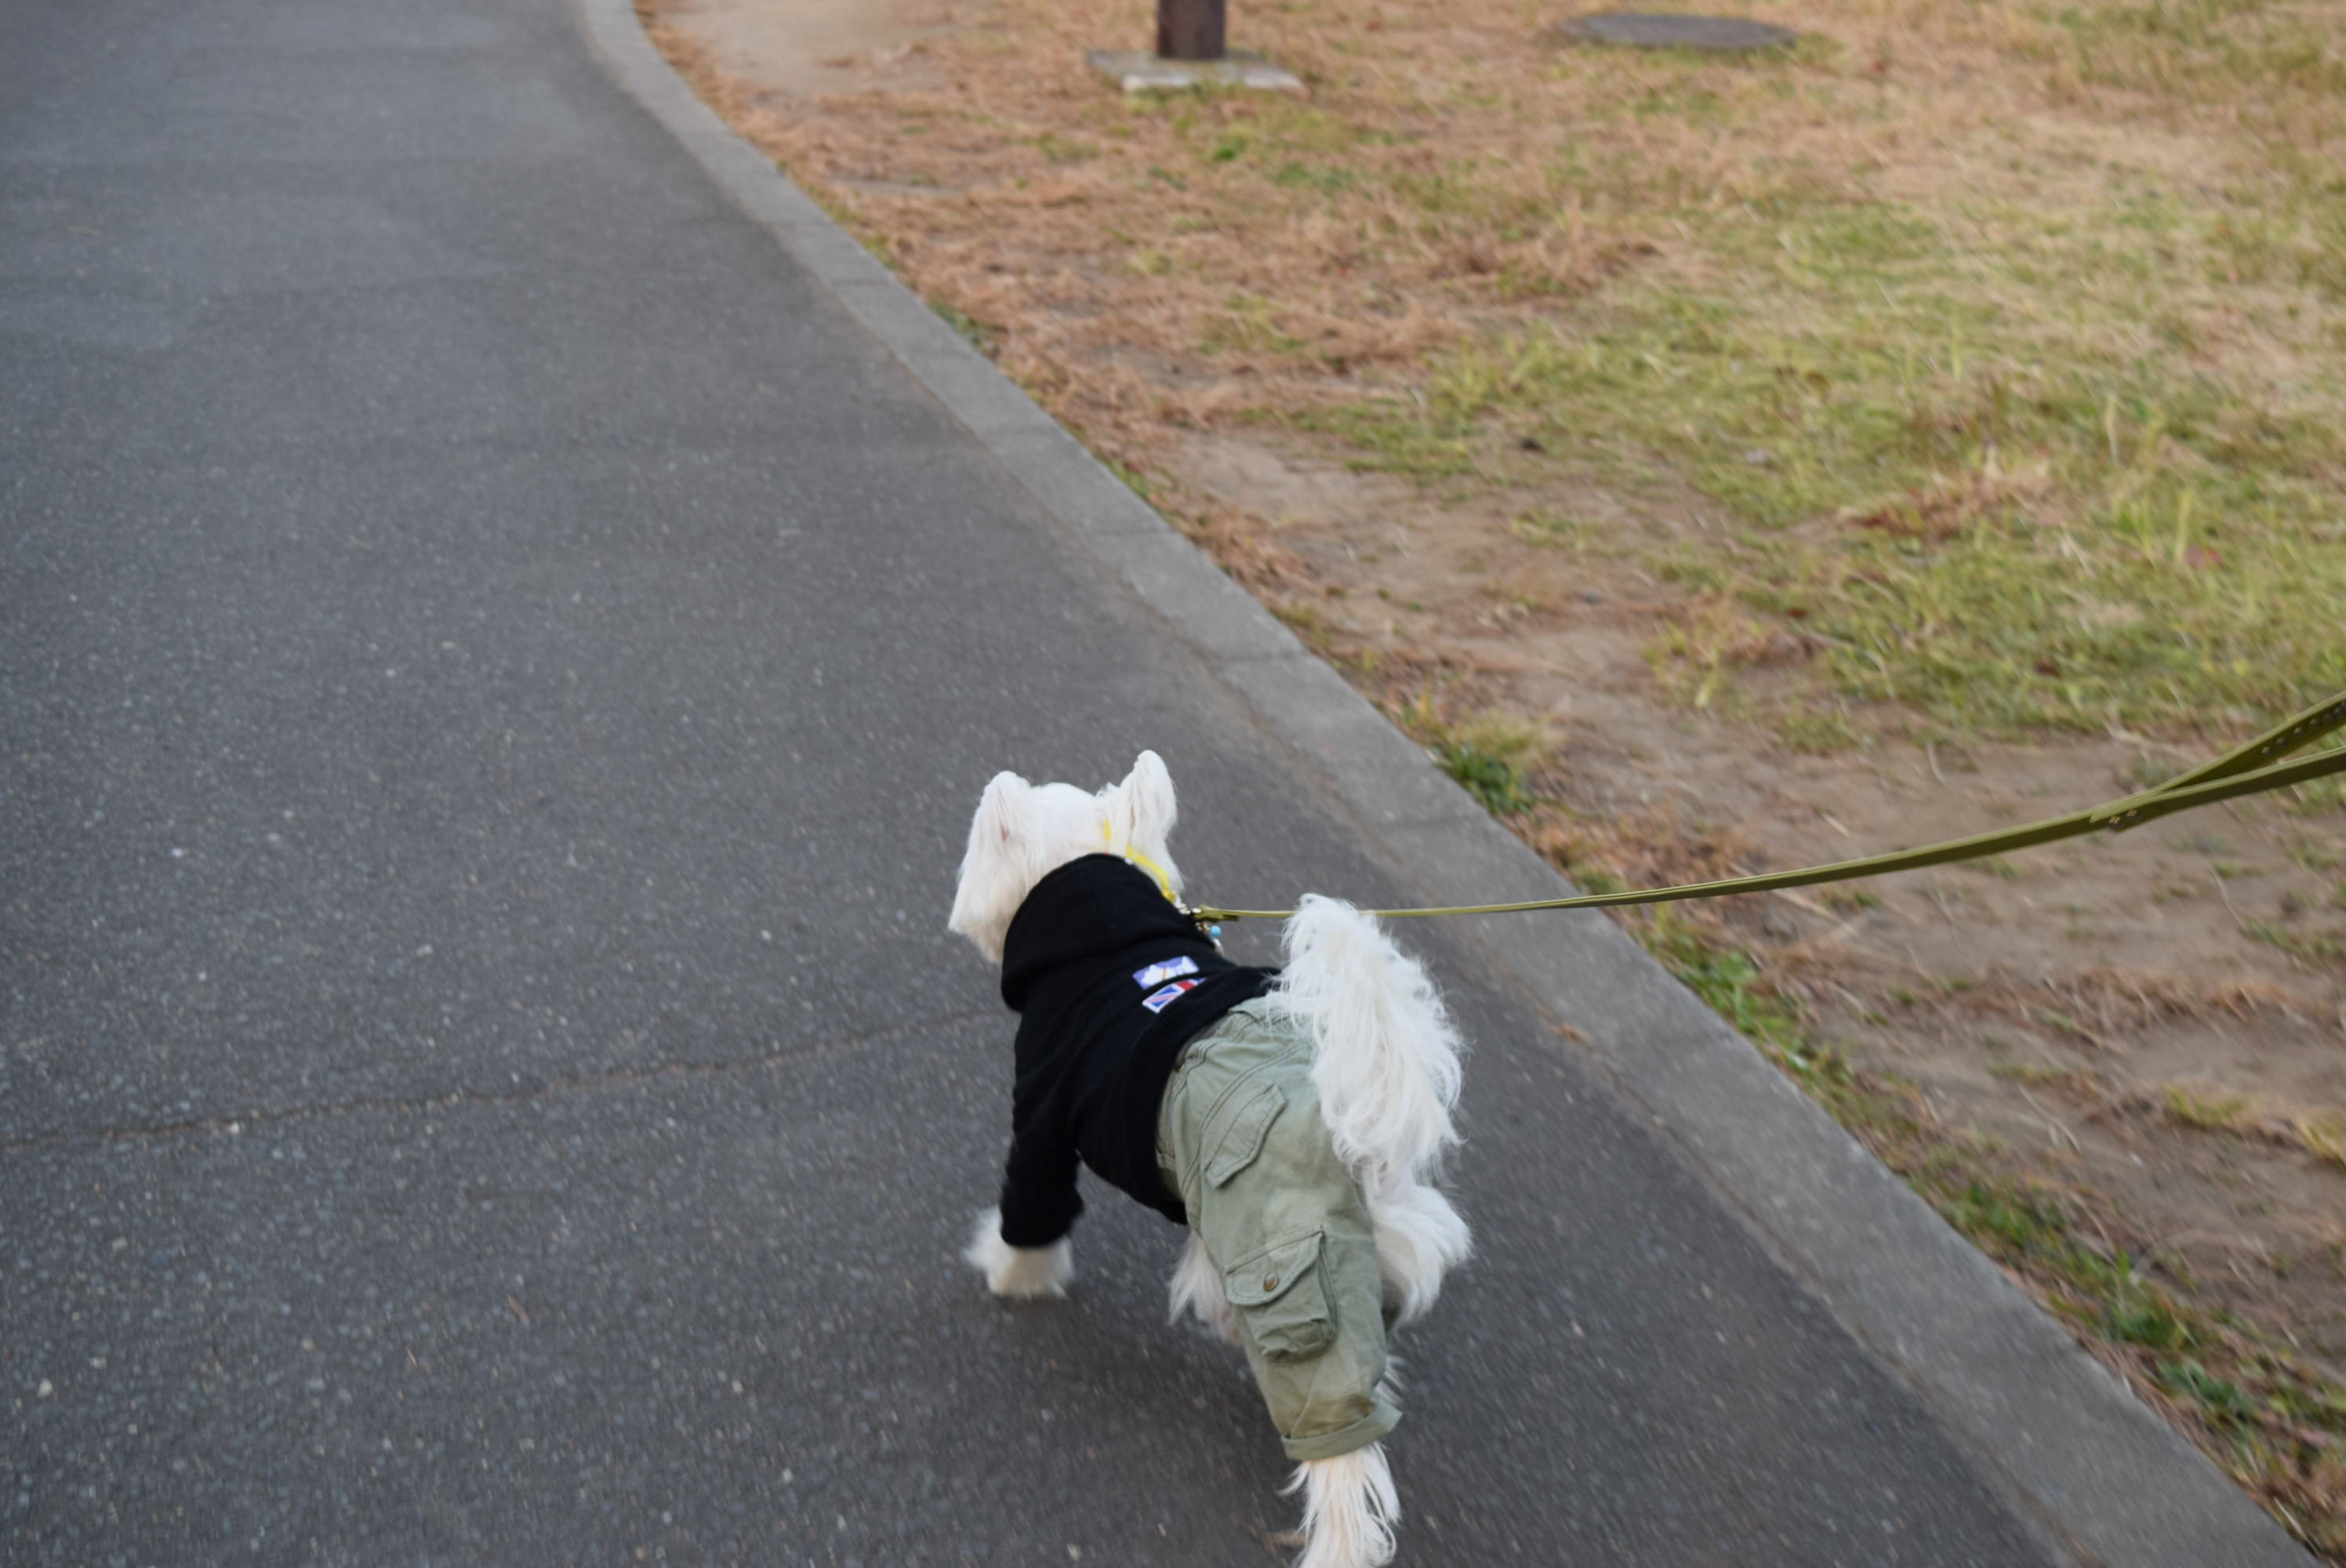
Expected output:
(994, 867)
(1140, 811)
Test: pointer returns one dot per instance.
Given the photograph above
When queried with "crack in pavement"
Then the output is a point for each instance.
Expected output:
(585, 1084)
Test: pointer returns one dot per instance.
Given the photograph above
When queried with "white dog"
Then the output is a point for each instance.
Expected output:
(1156, 1062)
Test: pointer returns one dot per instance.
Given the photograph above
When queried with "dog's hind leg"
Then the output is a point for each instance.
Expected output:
(1197, 1288)
(1349, 1509)
(1420, 1237)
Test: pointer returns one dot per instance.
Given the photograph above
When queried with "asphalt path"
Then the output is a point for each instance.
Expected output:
(495, 668)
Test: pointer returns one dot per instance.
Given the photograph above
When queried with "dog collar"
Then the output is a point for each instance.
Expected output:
(1146, 863)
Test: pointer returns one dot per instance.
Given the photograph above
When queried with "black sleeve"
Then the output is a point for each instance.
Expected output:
(1039, 1203)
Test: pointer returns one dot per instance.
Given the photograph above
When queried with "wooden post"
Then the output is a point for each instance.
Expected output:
(1191, 29)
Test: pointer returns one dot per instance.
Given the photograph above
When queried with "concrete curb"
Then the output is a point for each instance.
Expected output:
(2063, 1438)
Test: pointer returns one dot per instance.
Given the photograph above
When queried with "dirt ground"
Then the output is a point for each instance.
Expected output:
(2152, 1027)
(810, 48)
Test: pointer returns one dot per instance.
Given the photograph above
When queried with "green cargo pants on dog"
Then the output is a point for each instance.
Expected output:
(1239, 1137)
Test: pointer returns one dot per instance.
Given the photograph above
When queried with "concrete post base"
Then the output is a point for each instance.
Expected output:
(1138, 71)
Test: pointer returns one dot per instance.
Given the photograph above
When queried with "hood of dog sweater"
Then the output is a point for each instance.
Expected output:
(1094, 907)
(1110, 981)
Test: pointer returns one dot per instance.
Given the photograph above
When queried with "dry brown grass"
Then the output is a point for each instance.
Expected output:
(2098, 1004)
(2207, 1107)
(1995, 231)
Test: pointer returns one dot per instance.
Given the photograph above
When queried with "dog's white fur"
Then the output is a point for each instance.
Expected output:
(1023, 832)
(1024, 1273)
(1197, 1289)
(1349, 1509)
(1386, 1064)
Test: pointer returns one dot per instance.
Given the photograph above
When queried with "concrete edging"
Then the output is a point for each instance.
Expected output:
(2063, 1438)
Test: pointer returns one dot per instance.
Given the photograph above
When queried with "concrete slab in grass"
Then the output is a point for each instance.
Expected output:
(1138, 71)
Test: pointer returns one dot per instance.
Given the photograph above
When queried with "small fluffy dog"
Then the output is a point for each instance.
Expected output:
(1292, 1119)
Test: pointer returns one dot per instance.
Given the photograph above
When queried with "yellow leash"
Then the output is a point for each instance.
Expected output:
(2247, 769)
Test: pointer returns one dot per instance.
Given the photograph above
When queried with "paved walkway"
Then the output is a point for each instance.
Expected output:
(495, 665)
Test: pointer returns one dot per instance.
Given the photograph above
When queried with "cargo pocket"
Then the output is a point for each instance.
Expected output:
(1281, 1297)
(1236, 1136)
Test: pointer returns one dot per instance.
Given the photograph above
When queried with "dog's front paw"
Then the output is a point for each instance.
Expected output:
(1025, 1273)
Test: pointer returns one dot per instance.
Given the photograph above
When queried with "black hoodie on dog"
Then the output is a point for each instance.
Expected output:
(1110, 981)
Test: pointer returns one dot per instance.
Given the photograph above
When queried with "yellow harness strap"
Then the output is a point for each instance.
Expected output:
(1148, 863)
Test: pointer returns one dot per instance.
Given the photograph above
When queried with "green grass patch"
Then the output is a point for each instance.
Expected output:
(2208, 1113)
(1140, 483)
(1249, 324)
(1560, 531)
(2310, 947)
(1818, 732)
(1491, 753)
(982, 335)
(2030, 1072)
(1984, 506)
(1057, 149)
(1734, 984)
(1490, 779)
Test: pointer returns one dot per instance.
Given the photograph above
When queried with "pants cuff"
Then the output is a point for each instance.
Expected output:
(1344, 1439)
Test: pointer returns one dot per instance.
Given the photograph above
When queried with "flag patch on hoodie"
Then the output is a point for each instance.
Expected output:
(1160, 1000)
(1158, 973)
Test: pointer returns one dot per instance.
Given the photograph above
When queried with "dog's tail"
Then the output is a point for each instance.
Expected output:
(1385, 1062)
(1386, 1056)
